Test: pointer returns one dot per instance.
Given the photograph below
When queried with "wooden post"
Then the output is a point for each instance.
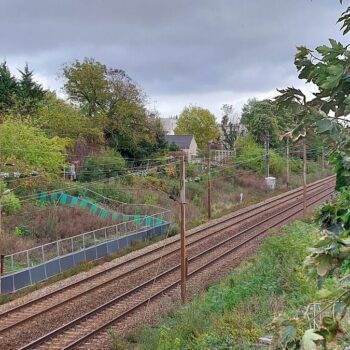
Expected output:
(288, 166)
(183, 230)
(304, 178)
(209, 183)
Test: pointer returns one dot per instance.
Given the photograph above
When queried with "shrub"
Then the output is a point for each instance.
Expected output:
(151, 199)
(10, 204)
(109, 164)
(29, 146)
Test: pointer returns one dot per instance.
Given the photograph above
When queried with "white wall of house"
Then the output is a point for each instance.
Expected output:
(191, 152)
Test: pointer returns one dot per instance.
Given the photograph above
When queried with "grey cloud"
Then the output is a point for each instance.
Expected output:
(170, 47)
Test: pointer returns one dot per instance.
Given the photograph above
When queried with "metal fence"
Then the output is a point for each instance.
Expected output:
(44, 253)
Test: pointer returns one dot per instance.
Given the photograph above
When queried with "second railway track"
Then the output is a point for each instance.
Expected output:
(206, 244)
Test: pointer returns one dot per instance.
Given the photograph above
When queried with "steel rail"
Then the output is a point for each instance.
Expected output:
(59, 330)
(29, 317)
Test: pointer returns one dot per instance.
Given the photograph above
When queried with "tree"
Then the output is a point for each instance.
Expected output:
(86, 85)
(199, 122)
(8, 88)
(116, 103)
(229, 126)
(29, 93)
(58, 118)
(262, 119)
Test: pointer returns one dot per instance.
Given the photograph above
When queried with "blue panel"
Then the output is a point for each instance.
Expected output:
(21, 279)
(7, 284)
(90, 253)
(79, 257)
(113, 246)
(37, 273)
(101, 250)
(67, 262)
(52, 268)
(123, 242)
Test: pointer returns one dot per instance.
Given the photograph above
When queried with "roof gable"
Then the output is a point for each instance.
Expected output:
(182, 141)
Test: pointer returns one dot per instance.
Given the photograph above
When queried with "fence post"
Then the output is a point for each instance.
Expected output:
(2, 264)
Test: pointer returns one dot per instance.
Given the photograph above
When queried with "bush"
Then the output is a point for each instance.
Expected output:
(29, 145)
(10, 204)
(109, 164)
(249, 155)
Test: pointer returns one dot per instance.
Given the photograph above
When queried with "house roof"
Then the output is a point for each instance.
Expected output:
(183, 141)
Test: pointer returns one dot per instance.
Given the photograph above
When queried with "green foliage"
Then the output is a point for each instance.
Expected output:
(262, 119)
(19, 96)
(112, 98)
(250, 156)
(226, 316)
(174, 147)
(29, 145)
(341, 162)
(22, 231)
(152, 199)
(10, 204)
(108, 164)
(229, 127)
(199, 122)
(58, 118)
(8, 88)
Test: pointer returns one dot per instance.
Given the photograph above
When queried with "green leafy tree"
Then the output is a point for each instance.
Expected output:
(328, 67)
(115, 101)
(86, 85)
(199, 122)
(58, 118)
(262, 119)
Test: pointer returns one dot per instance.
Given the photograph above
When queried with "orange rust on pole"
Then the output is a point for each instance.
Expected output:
(209, 183)
(304, 178)
(183, 230)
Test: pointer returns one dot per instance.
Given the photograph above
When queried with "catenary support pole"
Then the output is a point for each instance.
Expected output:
(304, 178)
(288, 164)
(183, 229)
(209, 183)
(267, 155)
(323, 165)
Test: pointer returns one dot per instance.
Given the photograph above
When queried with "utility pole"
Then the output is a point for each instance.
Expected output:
(323, 158)
(288, 165)
(182, 230)
(304, 177)
(267, 155)
(209, 183)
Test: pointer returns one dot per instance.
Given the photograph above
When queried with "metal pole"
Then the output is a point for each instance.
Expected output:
(288, 165)
(268, 156)
(304, 178)
(2, 264)
(182, 231)
(323, 158)
(209, 183)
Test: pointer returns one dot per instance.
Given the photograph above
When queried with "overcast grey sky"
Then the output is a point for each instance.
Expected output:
(205, 52)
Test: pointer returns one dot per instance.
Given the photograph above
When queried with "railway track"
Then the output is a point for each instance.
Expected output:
(201, 256)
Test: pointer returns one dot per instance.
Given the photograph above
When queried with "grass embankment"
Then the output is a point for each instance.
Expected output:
(236, 312)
